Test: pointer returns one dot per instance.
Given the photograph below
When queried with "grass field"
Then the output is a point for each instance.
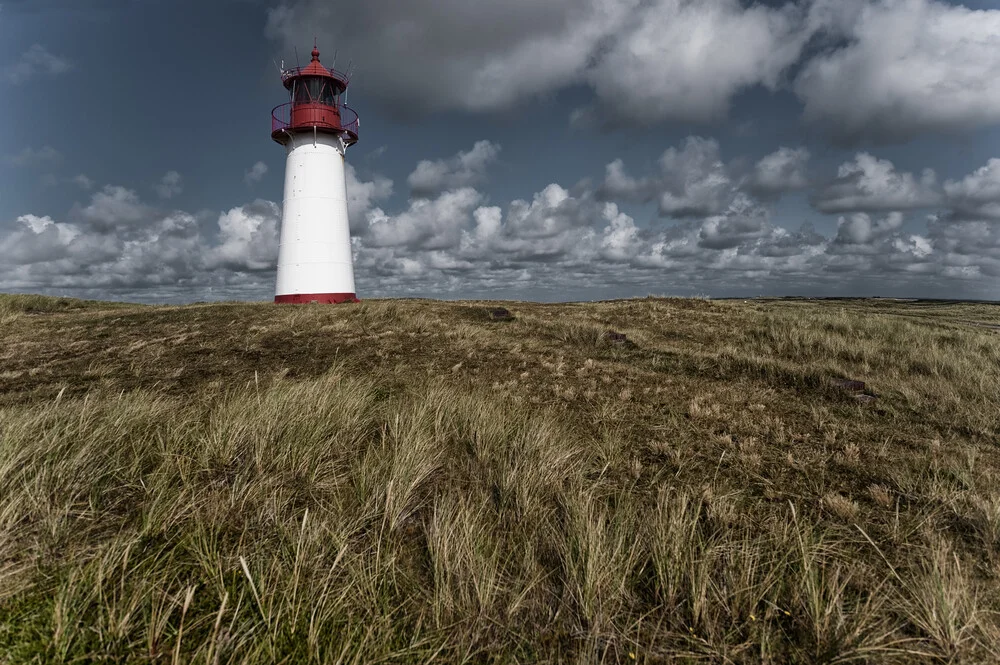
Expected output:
(411, 481)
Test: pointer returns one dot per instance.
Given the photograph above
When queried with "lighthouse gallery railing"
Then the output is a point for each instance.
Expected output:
(281, 118)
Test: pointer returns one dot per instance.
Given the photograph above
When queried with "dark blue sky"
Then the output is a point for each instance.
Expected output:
(571, 149)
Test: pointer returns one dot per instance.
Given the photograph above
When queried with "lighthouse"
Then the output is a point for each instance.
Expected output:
(316, 128)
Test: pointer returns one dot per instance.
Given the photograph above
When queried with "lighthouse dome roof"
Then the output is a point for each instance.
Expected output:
(314, 68)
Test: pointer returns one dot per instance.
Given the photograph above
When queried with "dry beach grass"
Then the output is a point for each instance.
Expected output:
(411, 481)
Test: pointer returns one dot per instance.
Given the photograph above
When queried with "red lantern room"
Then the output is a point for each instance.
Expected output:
(315, 104)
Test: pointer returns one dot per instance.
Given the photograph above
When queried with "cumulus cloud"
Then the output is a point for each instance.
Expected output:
(426, 224)
(114, 208)
(55, 254)
(36, 61)
(430, 178)
(618, 184)
(781, 242)
(864, 69)
(680, 60)
(256, 173)
(692, 181)
(906, 67)
(119, 244)
(362, 196)
(742, 222)
(436, 53)
(877, 252)
(248, 237)
(30, 157)
(969, 250)
(550, 213)
(784, 170)
(37, 239)
(554, 233)
(860, 229)
(170, 185)
(918, 246)
(871, 184)
(574, 243)
(556, 243)
(82, 181)
(571, 243)
(645, 60)
(553, 227)
(978, 194)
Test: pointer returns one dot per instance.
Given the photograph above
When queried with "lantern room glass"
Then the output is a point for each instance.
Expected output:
(314, 90)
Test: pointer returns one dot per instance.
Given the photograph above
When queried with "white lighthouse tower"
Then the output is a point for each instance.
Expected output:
(314, 254)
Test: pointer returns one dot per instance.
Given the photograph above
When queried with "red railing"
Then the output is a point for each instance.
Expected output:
(281, 119)
(292, 72)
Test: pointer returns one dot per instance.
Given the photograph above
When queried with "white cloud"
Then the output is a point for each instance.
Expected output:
(860, 229)
(551, 212)
(874, 69)
(618, 184)
(557, 243)
(908, 66)
(565, 240)
(646, 60)
(426, 223)
(680, 60)
(36, 61)
(780, 242)
(621, 240)
(872, 184)
(696, 180)
(248, 236)
(465, 169)
(969, 250)
(570, 244)
(256, 173)
(783, 170)
(170, 185)
(362, 196)
(30, 157)
(113, 208)
(120, 244)
(82, 181)
(529, 47)
(692, 181)
(37, 239)
(978, 194)
(918, 246)
(743, 221)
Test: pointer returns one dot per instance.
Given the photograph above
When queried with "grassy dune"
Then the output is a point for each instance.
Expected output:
(411, 481)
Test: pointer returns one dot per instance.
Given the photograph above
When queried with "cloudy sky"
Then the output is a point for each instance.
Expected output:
(535, 149)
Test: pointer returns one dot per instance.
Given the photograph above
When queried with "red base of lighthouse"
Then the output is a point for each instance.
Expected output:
(320, 298)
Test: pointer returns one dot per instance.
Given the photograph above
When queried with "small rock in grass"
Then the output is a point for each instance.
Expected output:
(501, 314)
(856, 387)
(849, 384)
(615, 337)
